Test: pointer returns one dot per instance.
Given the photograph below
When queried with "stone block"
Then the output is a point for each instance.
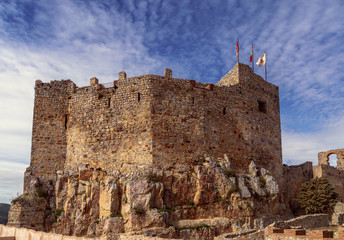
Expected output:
(94, 81)
(122, 75)
(294, 232)
(320, 234)
(8, 231)
(210, 87)
(168, 73)
(275, 231)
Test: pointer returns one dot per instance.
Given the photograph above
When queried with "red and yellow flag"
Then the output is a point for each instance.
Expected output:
(237, 49)
(251, 57)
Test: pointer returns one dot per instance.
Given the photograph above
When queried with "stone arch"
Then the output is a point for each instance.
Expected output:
(332, 159)
(323, 157)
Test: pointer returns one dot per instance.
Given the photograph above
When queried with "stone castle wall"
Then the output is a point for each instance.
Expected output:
(293, 178)
(335, 177)
(111, 126)
(156, 120)
(49, 141)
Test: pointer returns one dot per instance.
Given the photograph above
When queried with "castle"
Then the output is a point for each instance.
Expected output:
(161, 156)
(156, 120)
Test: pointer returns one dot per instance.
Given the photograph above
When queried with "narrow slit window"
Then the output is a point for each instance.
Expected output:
(139, 97)
(262, 106)
(66, 121)
(193, 101)
(224, 111)
(109, 102)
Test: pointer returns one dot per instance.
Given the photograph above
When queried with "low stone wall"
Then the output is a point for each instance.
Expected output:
(298, 234)
(28, 234)
(13, 233)
(310, 221)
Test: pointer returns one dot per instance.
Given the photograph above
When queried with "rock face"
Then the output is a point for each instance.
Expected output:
(199, 201)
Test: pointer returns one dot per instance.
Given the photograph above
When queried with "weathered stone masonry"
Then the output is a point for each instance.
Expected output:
(157, 120)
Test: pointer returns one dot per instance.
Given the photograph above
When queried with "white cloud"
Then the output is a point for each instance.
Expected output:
(69, 57)
(11, 180)
(300, 147)
(77, 40)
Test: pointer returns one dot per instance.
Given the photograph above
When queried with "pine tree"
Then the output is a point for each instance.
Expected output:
(317, 196)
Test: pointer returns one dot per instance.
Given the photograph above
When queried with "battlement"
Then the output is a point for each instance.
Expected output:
(160, 120)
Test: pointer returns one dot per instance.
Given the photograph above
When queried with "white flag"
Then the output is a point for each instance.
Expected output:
(261, 61)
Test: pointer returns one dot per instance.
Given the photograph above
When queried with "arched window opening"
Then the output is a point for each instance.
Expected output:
(332, 160)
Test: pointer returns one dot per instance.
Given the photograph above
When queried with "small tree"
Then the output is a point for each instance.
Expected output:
(317, 196)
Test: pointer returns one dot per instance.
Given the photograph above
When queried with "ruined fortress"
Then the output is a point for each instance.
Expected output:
(159, 155)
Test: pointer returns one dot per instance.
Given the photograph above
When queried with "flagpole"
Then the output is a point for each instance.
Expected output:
(266, 75)
(238, 50)
(252, 58)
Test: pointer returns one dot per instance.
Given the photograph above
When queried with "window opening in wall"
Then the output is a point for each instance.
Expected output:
(66, 121)
(138, 97)
(193, 101)
(224, 111)
(109, 102)
(332, 160)
(262, 106)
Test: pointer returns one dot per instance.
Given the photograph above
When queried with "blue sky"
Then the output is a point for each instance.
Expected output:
(77, 40)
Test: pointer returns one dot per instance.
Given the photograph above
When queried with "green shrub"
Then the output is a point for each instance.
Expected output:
(257, 197)
(233, 189)
(230, 173)
(190, 203)
(41, 193)
(168, 210)
(262, 183)
(139, 210)
(196, 227)
(58, 212)
(317, 196)
(153, 178)
(116, 215)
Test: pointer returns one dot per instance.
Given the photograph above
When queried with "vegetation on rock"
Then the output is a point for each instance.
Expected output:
(317, 196)
(153, 178)
(230, 173)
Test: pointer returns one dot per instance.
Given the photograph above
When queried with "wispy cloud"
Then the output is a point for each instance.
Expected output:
(299, 147)
(69, 39)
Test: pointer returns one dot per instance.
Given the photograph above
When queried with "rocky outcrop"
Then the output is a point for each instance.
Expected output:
(189, 202)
